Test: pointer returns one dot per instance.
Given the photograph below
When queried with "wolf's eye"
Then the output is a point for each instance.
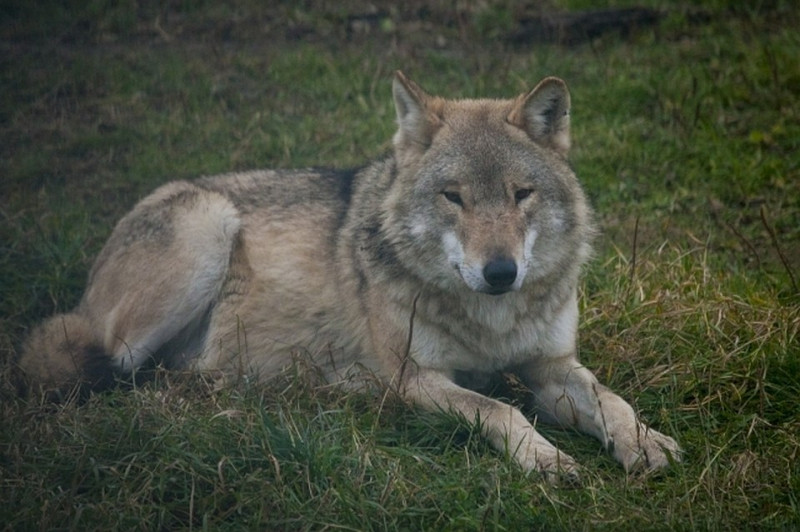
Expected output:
(522, 193)
(453, 197)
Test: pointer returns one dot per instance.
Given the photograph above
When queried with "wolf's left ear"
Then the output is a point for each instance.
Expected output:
(417, 117)
(543, 114)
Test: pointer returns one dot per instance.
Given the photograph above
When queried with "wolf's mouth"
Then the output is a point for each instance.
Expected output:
(497, 291)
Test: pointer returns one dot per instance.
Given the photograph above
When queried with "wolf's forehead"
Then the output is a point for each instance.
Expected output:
(482, 125)
(476, 115)
(490, 149)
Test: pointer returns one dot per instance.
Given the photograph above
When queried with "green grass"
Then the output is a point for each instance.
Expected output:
(686, 137)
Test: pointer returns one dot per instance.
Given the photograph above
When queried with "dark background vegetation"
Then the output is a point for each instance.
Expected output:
(686, 127)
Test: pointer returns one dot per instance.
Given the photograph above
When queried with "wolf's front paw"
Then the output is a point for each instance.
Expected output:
(649, 450)
(558, 469)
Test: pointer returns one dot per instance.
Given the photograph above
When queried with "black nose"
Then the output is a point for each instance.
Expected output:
(500, 273)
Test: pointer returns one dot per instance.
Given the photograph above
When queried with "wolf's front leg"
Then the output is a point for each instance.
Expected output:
(397, 337)
(503, 425)
(567, 393)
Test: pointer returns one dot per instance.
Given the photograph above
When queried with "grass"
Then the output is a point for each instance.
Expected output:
(686, 139)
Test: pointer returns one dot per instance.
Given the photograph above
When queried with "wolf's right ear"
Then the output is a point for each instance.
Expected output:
(418, 114)
(543, 114)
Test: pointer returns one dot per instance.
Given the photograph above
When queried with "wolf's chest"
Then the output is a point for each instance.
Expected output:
(494, 336)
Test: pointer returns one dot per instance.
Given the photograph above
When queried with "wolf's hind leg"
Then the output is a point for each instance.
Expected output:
(161, 270)
(153, 283)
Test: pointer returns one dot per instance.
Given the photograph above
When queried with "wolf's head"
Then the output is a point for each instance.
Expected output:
(483, 193)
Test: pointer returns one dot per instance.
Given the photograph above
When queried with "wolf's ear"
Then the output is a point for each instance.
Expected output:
(543, 114)
(418, 114)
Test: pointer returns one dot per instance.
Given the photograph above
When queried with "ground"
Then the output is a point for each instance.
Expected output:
(685, 129)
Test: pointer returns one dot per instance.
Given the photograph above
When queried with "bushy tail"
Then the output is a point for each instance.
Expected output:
(63, 356)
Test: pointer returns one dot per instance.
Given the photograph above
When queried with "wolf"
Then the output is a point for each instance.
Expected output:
(455, 257)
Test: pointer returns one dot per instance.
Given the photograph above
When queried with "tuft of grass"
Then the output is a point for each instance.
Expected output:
(685, 137)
